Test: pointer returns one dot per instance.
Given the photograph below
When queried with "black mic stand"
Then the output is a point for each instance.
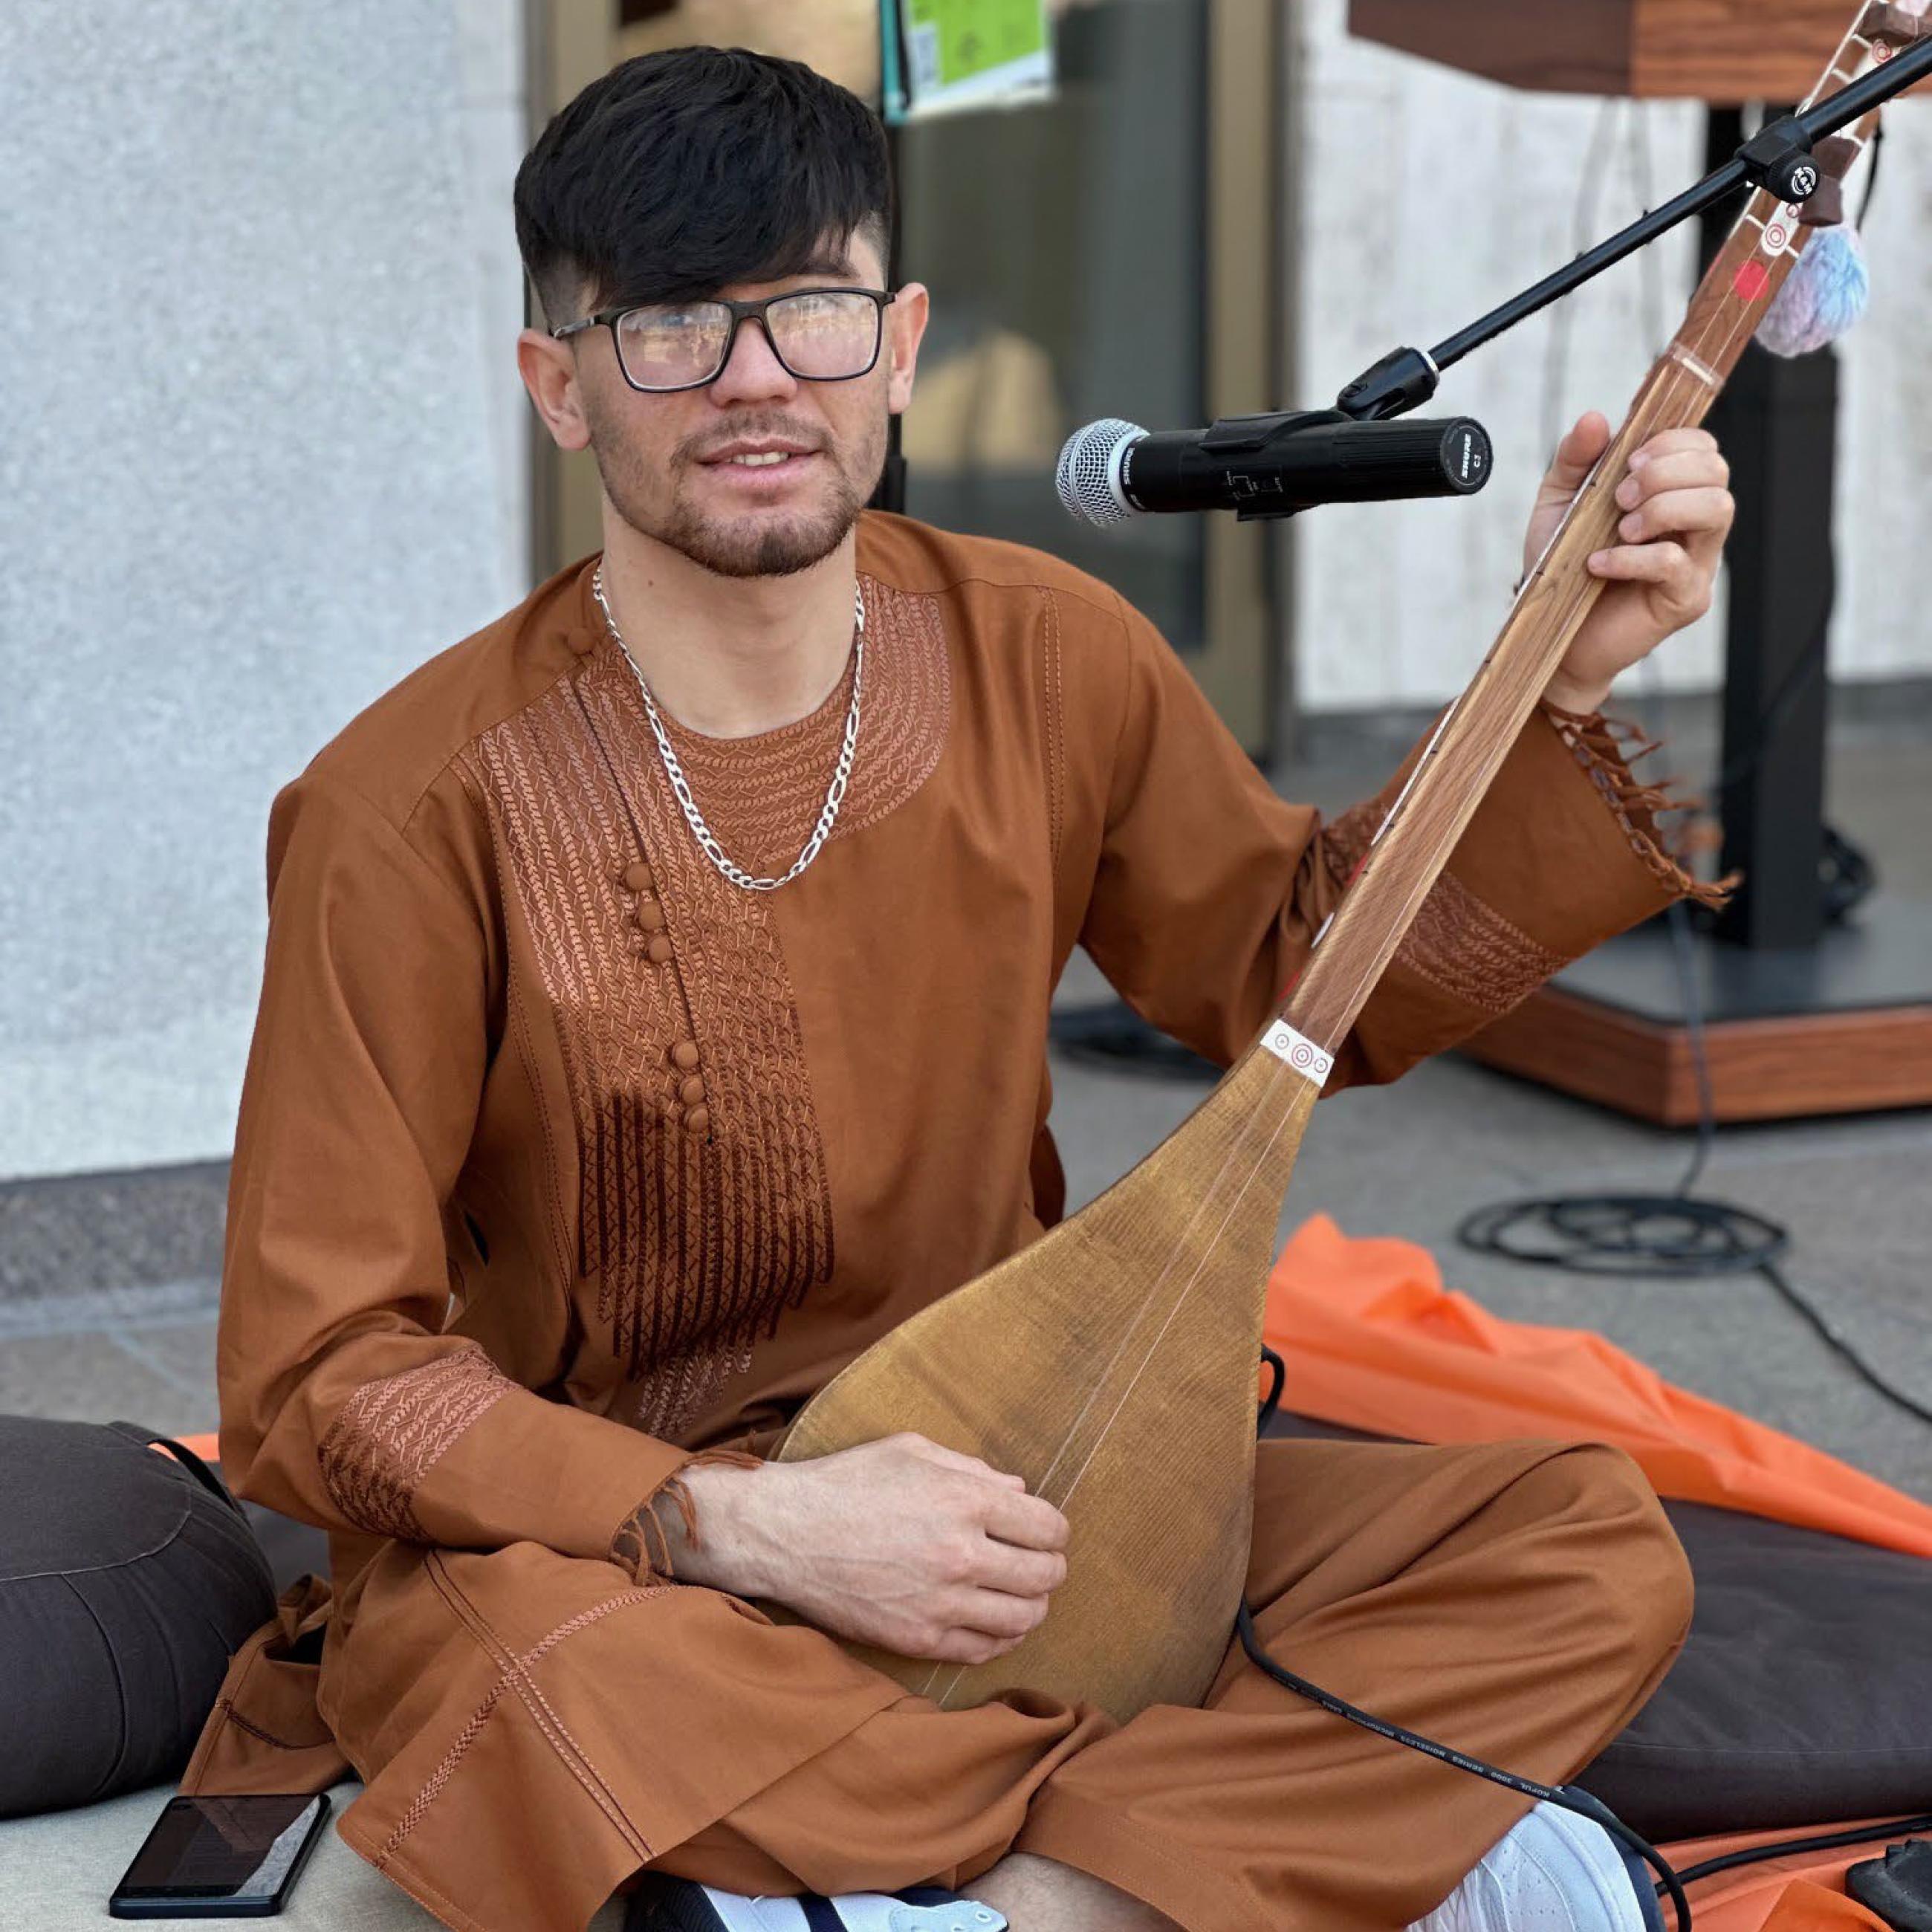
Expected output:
(1778, 156)
(1635, 976)
(1799, 1012)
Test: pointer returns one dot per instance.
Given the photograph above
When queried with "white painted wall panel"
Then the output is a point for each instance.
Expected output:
(1426, 196)
(1885, 437)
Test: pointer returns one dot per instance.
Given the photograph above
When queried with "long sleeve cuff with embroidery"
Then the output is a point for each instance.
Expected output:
(1563, 853)
(1209, 887)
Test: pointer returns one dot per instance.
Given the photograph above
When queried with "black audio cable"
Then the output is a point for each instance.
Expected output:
(1567, 1797)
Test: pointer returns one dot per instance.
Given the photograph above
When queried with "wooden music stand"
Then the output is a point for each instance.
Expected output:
(1799, 1017)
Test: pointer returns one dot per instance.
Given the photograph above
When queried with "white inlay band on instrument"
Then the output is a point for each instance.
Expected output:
(1709, 377)
(1302, 1054)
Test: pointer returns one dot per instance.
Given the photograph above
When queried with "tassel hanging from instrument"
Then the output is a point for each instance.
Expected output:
(1822, 297)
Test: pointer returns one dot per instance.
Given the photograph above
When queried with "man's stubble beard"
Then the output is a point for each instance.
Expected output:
(752, 546)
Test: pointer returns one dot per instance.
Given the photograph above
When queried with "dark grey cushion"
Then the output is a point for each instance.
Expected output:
(127, 1579)
(1803, 1695)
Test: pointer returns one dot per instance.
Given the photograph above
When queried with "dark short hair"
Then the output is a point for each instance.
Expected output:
(681, 172)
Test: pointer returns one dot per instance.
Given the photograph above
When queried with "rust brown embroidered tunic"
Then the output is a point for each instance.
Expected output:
(560, 1159)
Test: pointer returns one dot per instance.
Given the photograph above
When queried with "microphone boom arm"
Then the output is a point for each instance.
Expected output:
(1778, 156)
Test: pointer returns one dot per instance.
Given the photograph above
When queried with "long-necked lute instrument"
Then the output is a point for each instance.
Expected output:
(1112, 1363)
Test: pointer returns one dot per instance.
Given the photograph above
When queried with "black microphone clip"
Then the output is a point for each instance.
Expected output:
(1259, 500)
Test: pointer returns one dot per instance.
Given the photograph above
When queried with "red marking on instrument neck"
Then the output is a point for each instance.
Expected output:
(1751, 281)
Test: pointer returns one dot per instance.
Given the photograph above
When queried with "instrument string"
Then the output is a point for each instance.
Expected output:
(1737, 314)
(1130, 1326)
(1248, 1126)
(1200, 1267)
(1661, 394)
(1268, 1094)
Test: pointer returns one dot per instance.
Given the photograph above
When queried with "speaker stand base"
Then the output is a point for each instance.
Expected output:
(1840, 1027)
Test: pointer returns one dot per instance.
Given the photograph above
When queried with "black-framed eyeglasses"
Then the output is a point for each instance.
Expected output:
(819, 335)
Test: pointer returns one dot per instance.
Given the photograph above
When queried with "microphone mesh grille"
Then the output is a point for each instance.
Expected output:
(1088, 477)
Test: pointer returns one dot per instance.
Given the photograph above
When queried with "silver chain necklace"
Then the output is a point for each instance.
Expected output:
(841, 772)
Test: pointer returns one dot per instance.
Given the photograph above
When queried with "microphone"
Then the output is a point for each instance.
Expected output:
(1268, 466)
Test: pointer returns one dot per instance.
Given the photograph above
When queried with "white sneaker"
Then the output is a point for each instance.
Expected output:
(1553, 1871)
(661, 1904)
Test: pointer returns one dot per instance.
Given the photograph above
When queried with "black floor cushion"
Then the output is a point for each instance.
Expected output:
(126, 1578)
(1801, 1697)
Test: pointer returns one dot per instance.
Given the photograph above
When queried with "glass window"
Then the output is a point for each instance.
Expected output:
(1064, 244)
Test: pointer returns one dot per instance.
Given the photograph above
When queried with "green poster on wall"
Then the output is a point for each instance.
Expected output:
(969, 53)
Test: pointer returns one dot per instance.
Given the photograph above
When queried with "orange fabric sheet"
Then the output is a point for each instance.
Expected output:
(1804, 1893)
(1373, 1340)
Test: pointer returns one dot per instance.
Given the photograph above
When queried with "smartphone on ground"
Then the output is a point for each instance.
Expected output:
(220, 1858)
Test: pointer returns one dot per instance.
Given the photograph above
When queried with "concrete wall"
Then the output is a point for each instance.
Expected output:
(265, 450)
(1426, 197)
(263, 453)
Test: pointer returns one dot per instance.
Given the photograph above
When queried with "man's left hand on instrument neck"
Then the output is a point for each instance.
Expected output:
(1675, 511)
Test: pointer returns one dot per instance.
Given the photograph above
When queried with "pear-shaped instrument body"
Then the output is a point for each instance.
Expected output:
(1112, 1364)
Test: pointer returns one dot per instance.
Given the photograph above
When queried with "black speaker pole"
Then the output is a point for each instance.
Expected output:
(1777, 421)
(891, 494)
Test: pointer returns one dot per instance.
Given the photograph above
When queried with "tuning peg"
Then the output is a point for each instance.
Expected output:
(1825, 208)
(1835, 154)
(1892, 27)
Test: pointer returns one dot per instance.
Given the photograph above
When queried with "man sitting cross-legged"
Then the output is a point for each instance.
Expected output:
(655, 1015)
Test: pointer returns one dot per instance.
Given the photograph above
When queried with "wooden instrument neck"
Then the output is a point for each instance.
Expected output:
(1469, 745)
(1457, 767)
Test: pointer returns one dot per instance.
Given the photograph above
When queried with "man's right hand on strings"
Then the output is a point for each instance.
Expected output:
(900, 1542)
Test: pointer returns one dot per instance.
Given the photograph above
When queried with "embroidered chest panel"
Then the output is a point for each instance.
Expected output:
(704, 1211)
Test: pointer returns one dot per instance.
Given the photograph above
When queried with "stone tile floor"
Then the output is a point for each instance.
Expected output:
(109, 1284)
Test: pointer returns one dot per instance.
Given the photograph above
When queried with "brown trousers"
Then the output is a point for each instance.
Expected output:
(1517, 1600)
